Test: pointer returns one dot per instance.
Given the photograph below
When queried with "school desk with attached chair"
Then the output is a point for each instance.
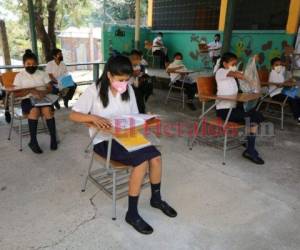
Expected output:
(112, 177)
(266, 98)
(225, 126)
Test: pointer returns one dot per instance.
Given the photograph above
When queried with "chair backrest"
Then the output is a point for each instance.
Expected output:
(263, 75)
(7, 79)
(148, 45)
(206, 86)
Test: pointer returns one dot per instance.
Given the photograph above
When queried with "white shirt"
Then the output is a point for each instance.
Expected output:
(89, 103)
(157, 46)
(39, 79)
(214, 48)
(176, 76)
(225, 86)
(56, 70)
(275, 77)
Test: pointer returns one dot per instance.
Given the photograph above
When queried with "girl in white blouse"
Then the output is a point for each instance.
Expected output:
(38, 82)
(227, 84)
(111, 96)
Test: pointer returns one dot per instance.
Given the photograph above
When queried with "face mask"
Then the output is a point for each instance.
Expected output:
(233, 68)
(120, 86)
(278, 68)
(178, 62)
(31, 69)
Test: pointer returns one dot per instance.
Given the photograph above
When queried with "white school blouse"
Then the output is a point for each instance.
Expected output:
(39, 79)
(225, 86)
(276, 78)
(157, 46)
(56, 70)
(89, 103)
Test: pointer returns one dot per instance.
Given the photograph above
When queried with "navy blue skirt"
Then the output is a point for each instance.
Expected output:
(26, 106)
(120, 154)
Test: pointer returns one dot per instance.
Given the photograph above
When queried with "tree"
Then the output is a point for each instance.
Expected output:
(50, 16)
(4, 43)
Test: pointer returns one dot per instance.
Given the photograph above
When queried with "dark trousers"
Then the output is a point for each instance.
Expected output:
(189, 88)
(294, 103)
(163, 58)
(69, 93)
(142, 93)
(239, 115)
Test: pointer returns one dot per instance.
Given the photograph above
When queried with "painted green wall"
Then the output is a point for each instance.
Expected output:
(121, 43)
(244, 43)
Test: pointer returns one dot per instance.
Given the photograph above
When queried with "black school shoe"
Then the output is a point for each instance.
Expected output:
(254, 158)
(139, 225)
(164, 207)
(57, 105)
(35, 148)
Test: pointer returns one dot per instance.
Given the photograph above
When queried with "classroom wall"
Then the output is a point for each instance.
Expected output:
(120, 38)
(244, 43)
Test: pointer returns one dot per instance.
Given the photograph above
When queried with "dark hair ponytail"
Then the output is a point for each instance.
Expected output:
(117, 66)
(29, 55)
(227, 57)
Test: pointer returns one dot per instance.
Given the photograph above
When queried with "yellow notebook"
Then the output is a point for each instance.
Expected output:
(132, 142)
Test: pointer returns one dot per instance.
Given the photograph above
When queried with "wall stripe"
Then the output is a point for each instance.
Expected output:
(150, 13)
(222, 18)
(293, 19)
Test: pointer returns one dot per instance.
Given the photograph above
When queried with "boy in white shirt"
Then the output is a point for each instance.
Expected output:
(214, 48)
(141, 82)
(277, 76)
(56, 68)
(160, 50)
(190, 85)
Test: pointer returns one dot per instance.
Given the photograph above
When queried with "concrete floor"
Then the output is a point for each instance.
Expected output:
(237, 206)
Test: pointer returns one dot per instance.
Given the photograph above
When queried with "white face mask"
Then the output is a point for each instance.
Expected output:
(178, 62)
(278, 69)
(233, 68)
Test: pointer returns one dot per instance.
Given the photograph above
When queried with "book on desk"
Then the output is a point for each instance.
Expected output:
(134, 140)
(48, 100)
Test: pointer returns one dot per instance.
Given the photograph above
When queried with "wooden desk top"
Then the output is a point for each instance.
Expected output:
(279, 85)
(16, 89)
(241, 97)
(116, 131)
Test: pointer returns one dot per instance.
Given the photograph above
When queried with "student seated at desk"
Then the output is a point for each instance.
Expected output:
(277, 75)
(57, 68)
(141, 82)
(190, 85)
(112, 96)
(227, 77)
(39, 81)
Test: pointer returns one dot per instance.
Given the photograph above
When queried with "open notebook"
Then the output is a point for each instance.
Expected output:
(131, 141)
(130, 121)
(48, 100)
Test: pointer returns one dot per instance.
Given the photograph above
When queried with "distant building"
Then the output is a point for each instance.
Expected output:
(81, 45)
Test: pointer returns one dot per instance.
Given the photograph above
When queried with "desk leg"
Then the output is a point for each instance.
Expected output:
(225, 136)
(201, 118)
(12, 102)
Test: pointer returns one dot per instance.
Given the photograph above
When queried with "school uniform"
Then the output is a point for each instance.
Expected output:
(38, 80)
(160, 50)
(215, 52)
(90, 103)
(142, 86)
(228, 86)
(189, 83)
(58, 70)
(276, 93)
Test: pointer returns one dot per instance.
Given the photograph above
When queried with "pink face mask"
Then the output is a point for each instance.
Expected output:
(120, 86)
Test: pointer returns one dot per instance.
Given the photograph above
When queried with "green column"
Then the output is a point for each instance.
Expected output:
(231, 6)
(32, 27)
